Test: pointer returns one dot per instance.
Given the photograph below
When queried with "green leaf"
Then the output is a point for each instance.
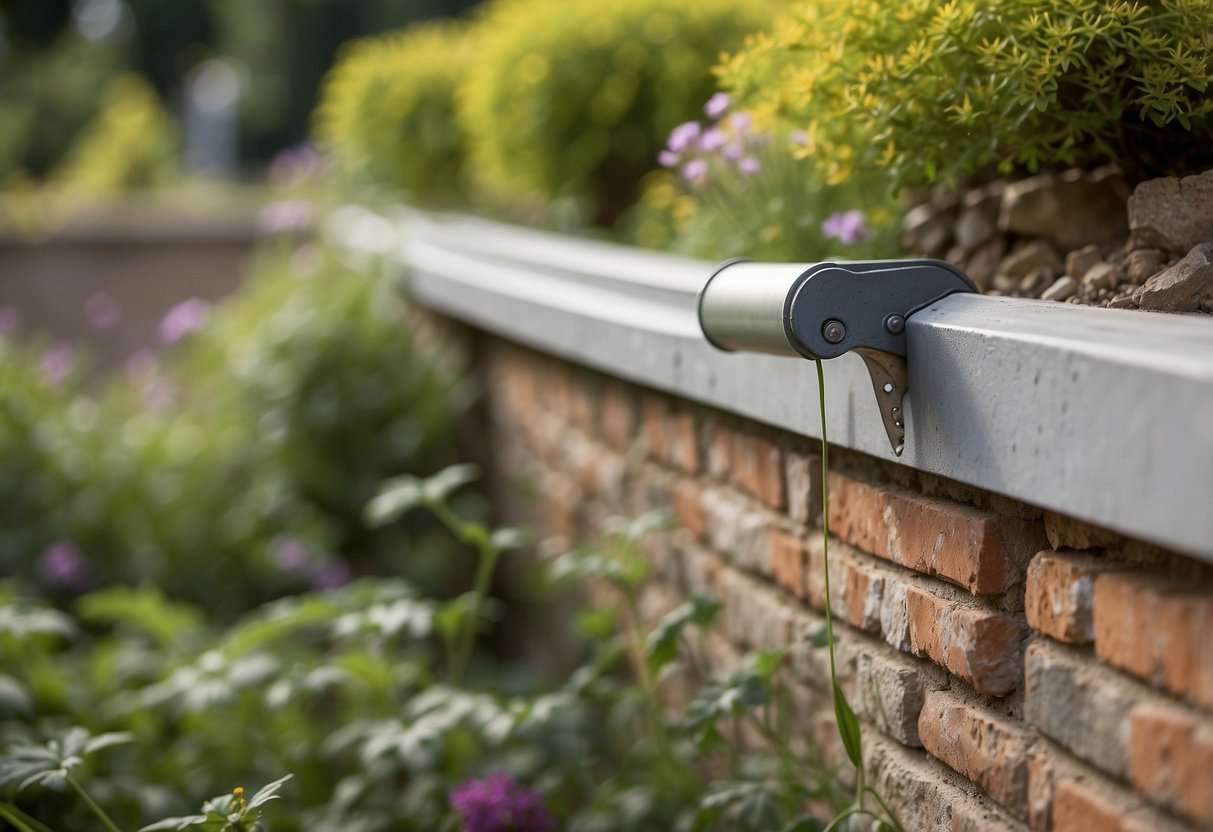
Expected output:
(14, 698)
(395, 497)
(438, 487)
(268, 792)
(848, 727)
(509, 537)
(450, 618)
(662, 645)
(819, 637)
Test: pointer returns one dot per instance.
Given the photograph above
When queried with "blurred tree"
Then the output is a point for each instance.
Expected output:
(57, 55)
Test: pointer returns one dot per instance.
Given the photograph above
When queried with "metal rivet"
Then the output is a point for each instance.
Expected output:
(895, 324)
(834, 331)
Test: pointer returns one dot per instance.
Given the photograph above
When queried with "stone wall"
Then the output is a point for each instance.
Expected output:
(1013, 669)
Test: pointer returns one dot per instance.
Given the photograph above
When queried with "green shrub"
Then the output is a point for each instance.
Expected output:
(573, 100)
(233, 467)
(132, 143)
(386, 109)
(930, 88)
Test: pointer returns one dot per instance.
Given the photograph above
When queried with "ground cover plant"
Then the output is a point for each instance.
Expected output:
(132, 707)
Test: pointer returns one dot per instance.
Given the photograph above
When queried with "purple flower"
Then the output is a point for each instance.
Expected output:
(102, 311)
(682, 136)
(142, 364)
(285, 216)
(740, 121)
(9, 319)
(749, 166)
(499, 803)
(847, 227)
(294, 165)
(184, 318)
(335, 573)
(290, 555)
(695, 171)
(733, 151)
(63, 566)
(713, 139)
(799, 137)
(57, 364)
(717, 105)
(668, 158)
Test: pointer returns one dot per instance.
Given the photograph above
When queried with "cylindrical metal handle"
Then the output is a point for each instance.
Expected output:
(744, 306)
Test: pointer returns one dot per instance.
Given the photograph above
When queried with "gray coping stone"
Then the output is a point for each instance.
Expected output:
(1103, 415)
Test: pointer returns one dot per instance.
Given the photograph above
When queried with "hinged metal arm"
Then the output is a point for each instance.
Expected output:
(823, 310)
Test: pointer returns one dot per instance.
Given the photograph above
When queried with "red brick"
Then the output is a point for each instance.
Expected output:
(653, 411)
(803, 476)
(983, 552)
(789, 560)
(1067, 533)
(1082, 806)
(583, 407)
(1060, 592)
(922, 797)
(758, 469)
(1171, 759)
(618, 416)
(892, 689)
(1157, 632)
(988, 749)
(858, 595)
(682, 449)
(720, 450)
(979, 645)
(688, 508)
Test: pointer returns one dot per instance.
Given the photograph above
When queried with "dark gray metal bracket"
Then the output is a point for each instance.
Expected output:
(823, 310)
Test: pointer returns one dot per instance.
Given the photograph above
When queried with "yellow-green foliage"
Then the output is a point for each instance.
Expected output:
(132, 143)
(574, 98)
(387, 109)
(929, 88)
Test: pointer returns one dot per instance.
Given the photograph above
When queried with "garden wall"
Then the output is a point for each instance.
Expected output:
(1014, 666)
(143, 265)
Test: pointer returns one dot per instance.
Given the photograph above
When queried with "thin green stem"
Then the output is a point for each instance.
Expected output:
(460, 653)
(92, 805)
(825, 555)
(22, 821)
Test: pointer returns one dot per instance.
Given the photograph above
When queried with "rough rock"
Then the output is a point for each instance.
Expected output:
(927, 230)
(1036, 280)
(1073, 209)
(1063, 288)
(1172, 213)
(1143, 263)
(978, 220)
(1034, 255)
(983, 263)
(1185, 287)
(1079, 262)
(1102, 276)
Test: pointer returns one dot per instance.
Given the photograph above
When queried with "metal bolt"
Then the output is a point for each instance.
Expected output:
(894, 324)
(834, 331)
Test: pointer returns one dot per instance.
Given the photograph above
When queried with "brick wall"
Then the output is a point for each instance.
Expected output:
(1013, 669)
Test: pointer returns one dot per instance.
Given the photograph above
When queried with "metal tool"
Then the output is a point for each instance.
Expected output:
(822, 310)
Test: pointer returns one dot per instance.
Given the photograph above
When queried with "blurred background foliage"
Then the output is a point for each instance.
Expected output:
(58, 56)
(234, 465)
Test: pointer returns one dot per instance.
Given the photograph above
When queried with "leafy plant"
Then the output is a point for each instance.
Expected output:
(934, 88)
(387, 110)
(733, 188)
(571, 101)
(226, 813)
